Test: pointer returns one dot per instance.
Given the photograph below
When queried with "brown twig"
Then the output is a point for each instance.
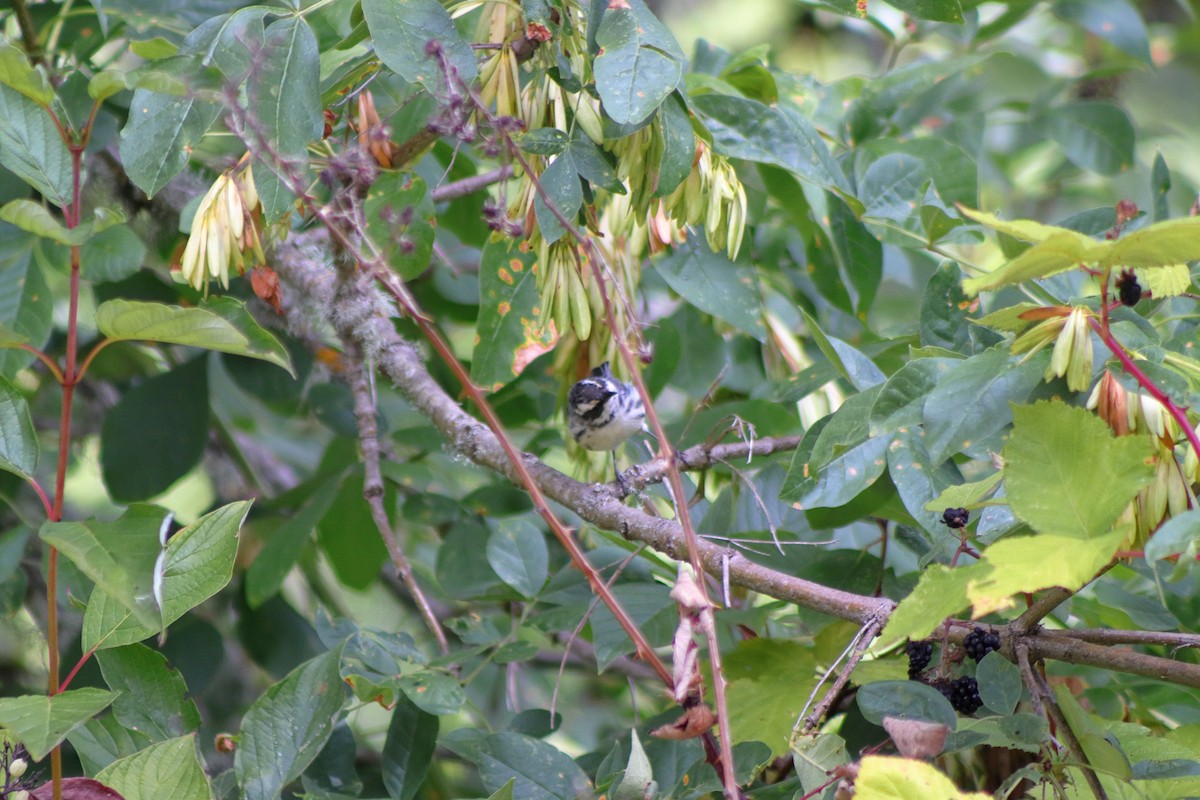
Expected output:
(857, 649)
(703, 456)
(1038, 689)
(471, 185)
(373, 490)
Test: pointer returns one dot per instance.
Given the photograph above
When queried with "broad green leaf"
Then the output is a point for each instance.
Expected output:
(105, 84)
(402, 29)
(1115, 20)
(1093, 135)
(561, 183)
(102, 740)
(287, 726)
(843, 478)
(272, 564)
(221, 324)
(26, 302)
(507, 334)
(284, 91)
(1163, 244)
(198, 564)
(112, 255)
(1099, 747)
(893, 778)
(161, 133)
(854, 366)
(166, 769)
(905, 700)
(17, 73)
(1065, 472)
(999, 683)
(542, 772)
(902, 398)
(936, 10)
(815, 758)
(517, 552)
(121, 557)
(41, 723)
(643, 602)
(679, 145)
(750, 130)
(544, 141)
(1059, 253)
(34, 218)
(941, 592)
(917, 479)
(408, 248)
(1026, 230)
(32, 148)
(945, 311)
(156, 433)
(1169, 281)
(433, 691)
(18, 440)
(972, 402)
(965, 495)
(408, 749)
(715, 285)
(1025, 564)
(769, 681)
(639, 64)
(154, 697)
(348, 536)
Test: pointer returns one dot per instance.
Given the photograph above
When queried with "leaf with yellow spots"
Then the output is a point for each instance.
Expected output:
(507, 336)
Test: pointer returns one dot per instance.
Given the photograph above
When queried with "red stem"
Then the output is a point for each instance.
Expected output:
(1177, 413)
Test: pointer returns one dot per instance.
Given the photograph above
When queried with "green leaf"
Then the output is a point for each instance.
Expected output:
(750, 130)
(1024, 564)
(940, 593)
(561, 183)
(965, 495)
(401, 30)
(285, 728)
(643, 602)
(543, 141)
(221, 324)
(433, 691)
(1114, 20)
(112, 255)
(18, 440)
(348, 536)
(715, 285)
(905, 700)
(902, 398)
(17, 73)
(917, 479)
(507, 334)
(1093, 135)
(639, 64)
(407, 249)
(26, 302)
(284, 91)
(102, 740)
(154, 697)
(936, 10)
(1163, 244)
(1065, 472)
(41, 723)
(34, 218)
(896, 778)
(842, 479)
(854, 366)
(679, 145)
(166, 769)
(542, 772)
(161, 133)
(517, 552)
(769, 681)
(198, 564)
(121, 557)
(944, 311)
(638, 779)
(156, 433)
(1059, 253)
(1100, 749)
(105, 84)
(408, 749)
(972, 402)
(32, 148)
(272, 564)
(999, 683)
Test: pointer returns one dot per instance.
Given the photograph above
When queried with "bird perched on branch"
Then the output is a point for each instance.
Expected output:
(602, 412)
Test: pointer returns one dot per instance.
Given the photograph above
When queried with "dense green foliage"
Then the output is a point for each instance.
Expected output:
(290, 300)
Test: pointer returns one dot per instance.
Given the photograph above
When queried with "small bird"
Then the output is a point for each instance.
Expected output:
(602, 412)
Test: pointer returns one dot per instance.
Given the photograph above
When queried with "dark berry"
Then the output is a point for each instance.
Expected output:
(1128, 289)
(978, 643)
(919, 655)
(964, 695)
(955, 518)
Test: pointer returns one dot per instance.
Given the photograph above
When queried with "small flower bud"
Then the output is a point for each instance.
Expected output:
(17, 768)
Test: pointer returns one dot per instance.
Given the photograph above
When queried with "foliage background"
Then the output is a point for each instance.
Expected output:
(846, 294)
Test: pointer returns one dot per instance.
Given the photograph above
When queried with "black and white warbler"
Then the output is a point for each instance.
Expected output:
(602, 411)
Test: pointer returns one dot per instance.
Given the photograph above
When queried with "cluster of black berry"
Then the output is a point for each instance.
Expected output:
(963, 694)
(956, 518)
(1128, 288)
(919, 654)
(978, 643)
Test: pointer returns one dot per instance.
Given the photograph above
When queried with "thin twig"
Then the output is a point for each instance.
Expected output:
(373, 489)
(1038, 688)
(857, 649)
(466, 186)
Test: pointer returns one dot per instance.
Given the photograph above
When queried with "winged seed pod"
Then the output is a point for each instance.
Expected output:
(1072, 355)
(225, 230)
